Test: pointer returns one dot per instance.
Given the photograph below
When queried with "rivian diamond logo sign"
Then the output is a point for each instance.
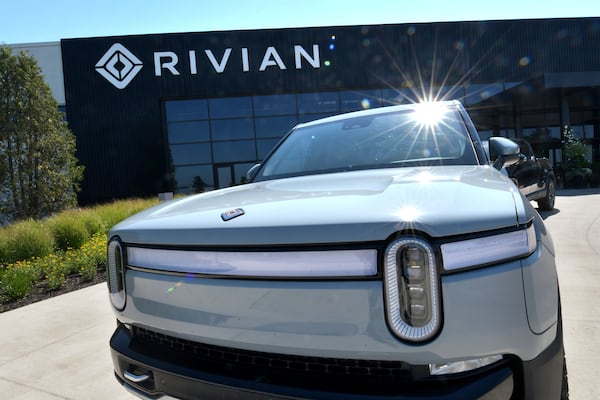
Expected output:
(118, 66)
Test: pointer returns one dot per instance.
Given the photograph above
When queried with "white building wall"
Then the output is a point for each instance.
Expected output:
(49, 58)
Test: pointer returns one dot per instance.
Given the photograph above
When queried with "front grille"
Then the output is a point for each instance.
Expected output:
(315, 373)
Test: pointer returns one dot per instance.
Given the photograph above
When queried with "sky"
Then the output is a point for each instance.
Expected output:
(32, 21)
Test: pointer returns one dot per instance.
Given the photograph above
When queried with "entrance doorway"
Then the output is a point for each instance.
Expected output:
(230, 174)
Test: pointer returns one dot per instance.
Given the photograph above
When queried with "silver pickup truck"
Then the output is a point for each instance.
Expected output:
(372, 255)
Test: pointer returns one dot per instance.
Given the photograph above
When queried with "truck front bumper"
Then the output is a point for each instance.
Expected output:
(174, 370)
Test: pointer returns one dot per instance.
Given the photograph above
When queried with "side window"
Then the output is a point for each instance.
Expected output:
(525, 149)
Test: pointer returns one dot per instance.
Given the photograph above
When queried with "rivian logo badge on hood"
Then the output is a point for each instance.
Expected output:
(231, 214)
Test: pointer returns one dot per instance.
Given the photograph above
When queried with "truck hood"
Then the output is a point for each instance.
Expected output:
(348, 207)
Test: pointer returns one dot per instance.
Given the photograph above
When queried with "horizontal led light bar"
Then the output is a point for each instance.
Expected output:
(487, 250)
(298, 264)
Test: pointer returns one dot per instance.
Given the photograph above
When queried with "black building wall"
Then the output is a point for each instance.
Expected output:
(120, 132)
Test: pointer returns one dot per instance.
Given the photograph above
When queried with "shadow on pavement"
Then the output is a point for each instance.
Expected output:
(546, 214)
(568, 193)
(577, 192)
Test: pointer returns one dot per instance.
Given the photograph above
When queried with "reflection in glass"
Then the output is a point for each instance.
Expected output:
(224, 177)
(188, 131)
(192, 153)
(229, 152)
(485, 135)
(231, 107)
(232, 129)
(186, 110)
(194, 179)
(554, 132)
(392, 97)
(360, 100)
(274, 127)
(240, 171)
(280, 104)
(312, 117)
(478, 93)
(264, 146)
(309, 103)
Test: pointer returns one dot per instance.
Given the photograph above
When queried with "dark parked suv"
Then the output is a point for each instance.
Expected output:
(534, 176)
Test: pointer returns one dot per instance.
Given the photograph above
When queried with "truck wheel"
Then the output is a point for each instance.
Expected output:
(547, 202)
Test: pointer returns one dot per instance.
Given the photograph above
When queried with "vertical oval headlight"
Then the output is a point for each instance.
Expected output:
(116, 274)
(412, 289)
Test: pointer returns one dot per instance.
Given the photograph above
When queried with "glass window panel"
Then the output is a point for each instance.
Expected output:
(558, 156)
(186, 110)
(477, 93)
(232, 129)
(194, 178)
(540, 134)
(451, 93)
(264, 146)
(309, 103)
(279, 104)
(274, 127)
(360, 100)
(194, 153)
(224, 178)
(392, 97)
(578, 131)
(240, 171)
(231, 152)
(554, 131)
(312, 117)
(510, 133)
(509, 85)
(188, 131)
(485, 135)
(588, 131)
(232, 107)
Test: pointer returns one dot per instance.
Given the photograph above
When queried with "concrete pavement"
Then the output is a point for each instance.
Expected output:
(58, 348)
(575, 228)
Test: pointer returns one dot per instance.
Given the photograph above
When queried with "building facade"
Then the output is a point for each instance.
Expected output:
(188, 112)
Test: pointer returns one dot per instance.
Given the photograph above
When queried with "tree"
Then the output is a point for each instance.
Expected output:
(39, 173)
(198, 185)
(575, 165)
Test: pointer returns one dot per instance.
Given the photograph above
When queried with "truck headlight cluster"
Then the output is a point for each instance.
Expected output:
(412, 289)
(116, 274)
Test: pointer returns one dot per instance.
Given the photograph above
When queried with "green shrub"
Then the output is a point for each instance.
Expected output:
(69, 231)
(26, 239)
(92, 221)
(70, 243)
(113, 213)
(3, 248)
(15, 283)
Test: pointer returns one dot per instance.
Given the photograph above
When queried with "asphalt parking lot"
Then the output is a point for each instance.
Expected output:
(58, 348)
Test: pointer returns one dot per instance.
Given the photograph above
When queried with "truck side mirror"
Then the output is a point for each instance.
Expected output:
(251, 174)
(503, 152)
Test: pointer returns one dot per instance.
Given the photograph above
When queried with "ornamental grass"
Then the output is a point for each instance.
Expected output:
(71, 244)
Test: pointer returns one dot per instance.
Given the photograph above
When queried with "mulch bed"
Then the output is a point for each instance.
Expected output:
(40, 292)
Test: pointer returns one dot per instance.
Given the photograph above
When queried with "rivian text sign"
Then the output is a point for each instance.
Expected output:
(119, 65)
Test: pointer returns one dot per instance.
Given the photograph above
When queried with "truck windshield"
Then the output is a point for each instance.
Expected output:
(383, 140)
